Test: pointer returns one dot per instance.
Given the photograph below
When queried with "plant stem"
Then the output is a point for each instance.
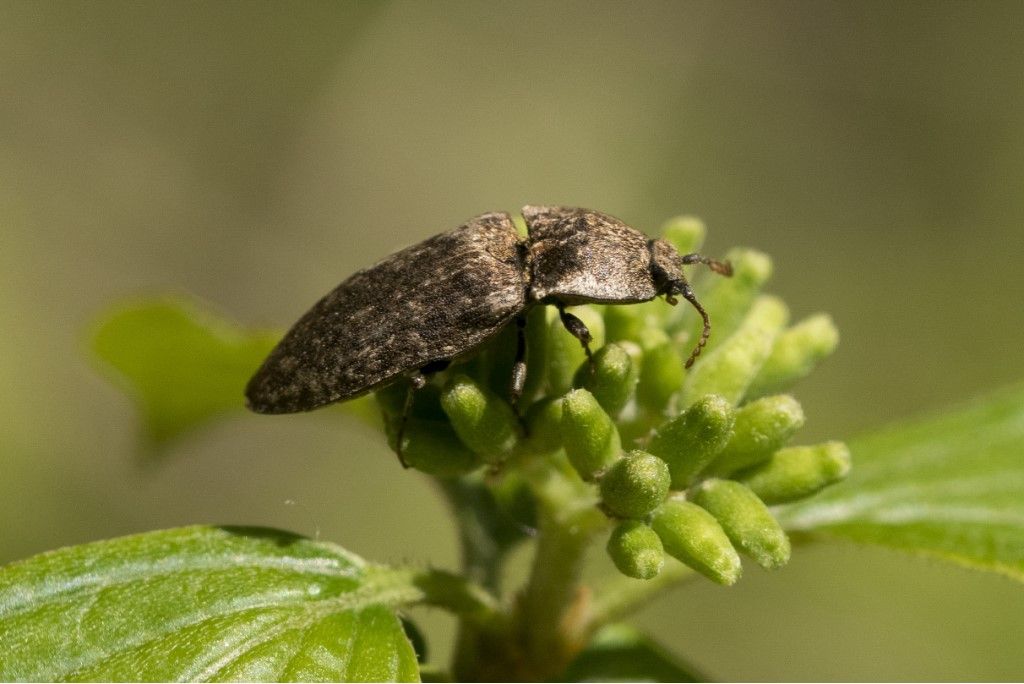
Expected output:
(554, 606)
(475, 514)
(548, 626)
(431, 587)
(621, 595)
(478, 524)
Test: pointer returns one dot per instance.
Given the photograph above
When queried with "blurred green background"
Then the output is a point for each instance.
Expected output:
(255, 154)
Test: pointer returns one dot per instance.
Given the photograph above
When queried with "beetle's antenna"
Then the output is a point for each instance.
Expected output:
(706, 332)
(719, 267)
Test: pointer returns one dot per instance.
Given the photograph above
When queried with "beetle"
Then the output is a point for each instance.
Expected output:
(412, 313)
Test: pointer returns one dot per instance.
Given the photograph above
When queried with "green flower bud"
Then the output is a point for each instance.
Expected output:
(536, 353)
(588, 433)
(634, 485)
(795, 354)
(623, 323)
(433, 447)
(662, 370)
(490, 365)
(484, 422)
(636, 550)
(544, 426)
(747, 522)
(729, 368)
(520, 223)
(762, 427)
(614, 378)
(685, 233)
(693, 536)
(426, 404)
(565, 353)
(796, 472)
(651, 337)
(691, 440)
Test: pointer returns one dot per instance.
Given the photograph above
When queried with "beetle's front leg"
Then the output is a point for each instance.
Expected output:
(416, 382)
(579, 330)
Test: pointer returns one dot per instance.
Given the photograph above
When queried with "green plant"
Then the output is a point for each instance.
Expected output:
(675, 473)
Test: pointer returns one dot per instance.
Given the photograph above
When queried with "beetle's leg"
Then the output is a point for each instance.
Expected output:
(518, 380)
(719, 267)
(416, 382)
(579, 330)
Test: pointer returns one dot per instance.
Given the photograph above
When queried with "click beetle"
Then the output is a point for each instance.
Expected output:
(416, 310)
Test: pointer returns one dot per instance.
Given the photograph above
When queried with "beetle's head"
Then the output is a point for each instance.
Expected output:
(667, 270)
(670, 281)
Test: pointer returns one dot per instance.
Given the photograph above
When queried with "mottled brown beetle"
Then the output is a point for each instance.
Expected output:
(412, 313)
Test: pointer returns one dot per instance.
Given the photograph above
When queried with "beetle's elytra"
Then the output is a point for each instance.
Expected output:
(417, 309)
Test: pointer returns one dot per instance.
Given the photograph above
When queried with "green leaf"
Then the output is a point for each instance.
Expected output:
(622, 654)
(183, 365)
(204, 604)
(950, 486)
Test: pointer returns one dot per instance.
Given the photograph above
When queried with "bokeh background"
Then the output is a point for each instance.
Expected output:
(254, 154)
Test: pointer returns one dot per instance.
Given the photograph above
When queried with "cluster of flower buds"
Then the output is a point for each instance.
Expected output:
(683, 462)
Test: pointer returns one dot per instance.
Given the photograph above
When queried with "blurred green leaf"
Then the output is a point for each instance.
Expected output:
(950, 486)
(202, 604)
(623, 654)
(182, 364)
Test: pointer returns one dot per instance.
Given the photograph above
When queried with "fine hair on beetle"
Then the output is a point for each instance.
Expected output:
(411, 313)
